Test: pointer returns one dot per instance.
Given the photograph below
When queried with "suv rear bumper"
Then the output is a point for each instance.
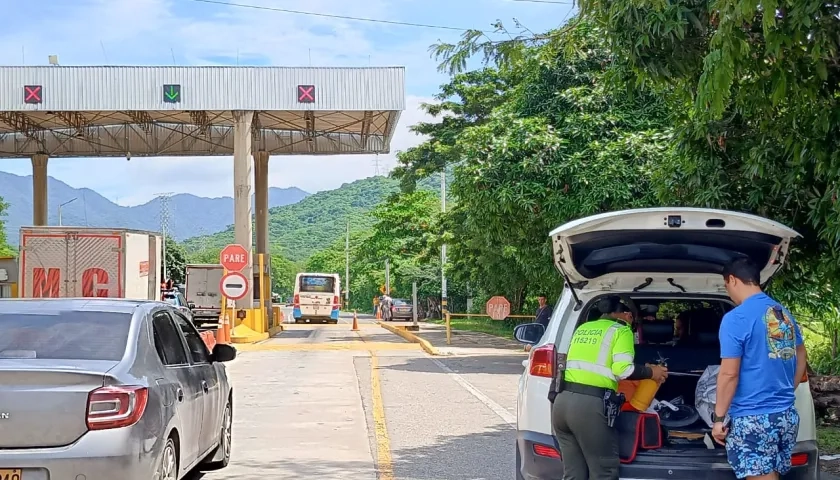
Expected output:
(538, 467)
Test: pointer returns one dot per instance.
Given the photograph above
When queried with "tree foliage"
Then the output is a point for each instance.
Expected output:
(176, 259)
(537, 142)
(5, 249)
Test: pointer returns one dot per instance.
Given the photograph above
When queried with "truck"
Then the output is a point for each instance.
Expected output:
(203, 293)
(60, 262)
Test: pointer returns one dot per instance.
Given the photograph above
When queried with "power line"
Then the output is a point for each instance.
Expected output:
(340, 17)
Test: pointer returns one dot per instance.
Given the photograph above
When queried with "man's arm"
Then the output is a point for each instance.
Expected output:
(731, 350)
(623, 356)
(801, 355)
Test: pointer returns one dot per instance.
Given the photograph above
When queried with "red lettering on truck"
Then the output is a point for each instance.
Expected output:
(46, 283)
(92, 278)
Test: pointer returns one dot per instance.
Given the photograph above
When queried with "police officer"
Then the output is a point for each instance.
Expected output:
(584, 410)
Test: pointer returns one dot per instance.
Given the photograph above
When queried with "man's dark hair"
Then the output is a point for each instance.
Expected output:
(542, 295)
(744, 270)
(611, 304)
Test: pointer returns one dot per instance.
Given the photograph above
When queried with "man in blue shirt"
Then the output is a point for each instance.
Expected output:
(762, 363)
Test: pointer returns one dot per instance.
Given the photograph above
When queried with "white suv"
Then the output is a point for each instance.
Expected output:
(666, 264)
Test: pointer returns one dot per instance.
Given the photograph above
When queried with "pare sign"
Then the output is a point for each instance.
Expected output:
(46, 283)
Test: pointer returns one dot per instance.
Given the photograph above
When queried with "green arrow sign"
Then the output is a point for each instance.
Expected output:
(171, 93)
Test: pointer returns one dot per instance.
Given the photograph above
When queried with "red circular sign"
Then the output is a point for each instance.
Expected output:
(234, 257)
(234, 285)
(498, 308)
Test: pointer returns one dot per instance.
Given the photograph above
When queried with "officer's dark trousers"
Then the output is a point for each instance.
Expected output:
(589, 447)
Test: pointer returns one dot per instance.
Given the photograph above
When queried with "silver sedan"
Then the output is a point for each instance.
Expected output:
(103, 388)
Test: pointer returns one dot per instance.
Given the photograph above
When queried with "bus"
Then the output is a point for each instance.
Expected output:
(317, 298)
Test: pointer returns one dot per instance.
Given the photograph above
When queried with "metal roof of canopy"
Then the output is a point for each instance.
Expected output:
(113, 111)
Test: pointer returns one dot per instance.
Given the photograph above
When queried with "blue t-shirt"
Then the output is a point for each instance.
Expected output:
(764, 335)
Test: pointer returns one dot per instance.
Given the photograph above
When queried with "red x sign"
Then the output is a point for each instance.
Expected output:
(306, 93)
(32, 94)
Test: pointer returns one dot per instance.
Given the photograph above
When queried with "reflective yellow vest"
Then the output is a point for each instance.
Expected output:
(601, 354)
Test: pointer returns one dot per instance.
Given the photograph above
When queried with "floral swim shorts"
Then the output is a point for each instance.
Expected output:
(760, 444)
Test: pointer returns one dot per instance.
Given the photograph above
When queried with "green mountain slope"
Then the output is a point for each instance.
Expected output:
(299, 230)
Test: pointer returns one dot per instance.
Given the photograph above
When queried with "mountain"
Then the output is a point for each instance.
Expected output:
(301, 229)
(189, 215)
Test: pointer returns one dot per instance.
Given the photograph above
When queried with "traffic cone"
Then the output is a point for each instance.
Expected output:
(355, 322)
(220, 332)
(227, 328)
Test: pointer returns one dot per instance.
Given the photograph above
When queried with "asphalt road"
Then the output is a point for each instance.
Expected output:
(322, 401)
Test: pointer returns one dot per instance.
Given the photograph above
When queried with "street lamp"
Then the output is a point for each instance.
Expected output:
(63, 204)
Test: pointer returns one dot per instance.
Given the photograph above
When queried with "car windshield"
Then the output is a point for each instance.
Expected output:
(67, 335)
(171, 299)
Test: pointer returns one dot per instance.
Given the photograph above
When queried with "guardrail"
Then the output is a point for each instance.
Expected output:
(473, 315)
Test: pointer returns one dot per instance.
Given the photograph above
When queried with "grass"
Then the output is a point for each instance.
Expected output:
(828, 439)
(502, 329)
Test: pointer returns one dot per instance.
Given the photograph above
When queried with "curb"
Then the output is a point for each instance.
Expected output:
(424, 344)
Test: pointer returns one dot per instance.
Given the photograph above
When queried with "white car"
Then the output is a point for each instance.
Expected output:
(666, 262)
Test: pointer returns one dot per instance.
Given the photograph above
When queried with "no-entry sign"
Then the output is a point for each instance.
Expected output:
(498, 308)
(234, 257)
(234, 285)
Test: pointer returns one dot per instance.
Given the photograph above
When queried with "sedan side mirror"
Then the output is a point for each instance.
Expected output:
(190, 305)
(223, 353)
(529, 333)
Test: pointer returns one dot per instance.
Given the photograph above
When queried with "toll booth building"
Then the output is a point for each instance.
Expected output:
(249, 113)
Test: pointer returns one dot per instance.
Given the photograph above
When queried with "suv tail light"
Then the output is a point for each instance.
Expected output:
(542, 361)
(336, 303)
(297, 301)
(546, 451)
(116, 406)
(799, 459)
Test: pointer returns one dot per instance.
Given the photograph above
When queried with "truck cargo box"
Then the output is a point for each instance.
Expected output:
(89, 262)
(203, 292)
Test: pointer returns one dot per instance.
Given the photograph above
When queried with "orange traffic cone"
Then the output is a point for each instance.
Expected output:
(220, 332)
(227, 328)
(355, 322)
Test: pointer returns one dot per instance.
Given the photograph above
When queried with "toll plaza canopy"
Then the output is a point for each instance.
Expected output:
(250, 113)
(170, 111)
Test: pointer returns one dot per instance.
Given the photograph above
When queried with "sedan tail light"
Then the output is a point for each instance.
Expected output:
(116, 406)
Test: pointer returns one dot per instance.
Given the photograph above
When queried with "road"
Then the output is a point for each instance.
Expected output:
(322, 401)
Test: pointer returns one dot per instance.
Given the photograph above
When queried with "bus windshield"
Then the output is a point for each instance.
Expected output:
(312, 284)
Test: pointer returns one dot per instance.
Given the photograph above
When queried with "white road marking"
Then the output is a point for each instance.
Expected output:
(499, 410)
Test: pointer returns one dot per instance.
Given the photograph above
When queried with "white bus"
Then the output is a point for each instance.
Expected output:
(317, 297)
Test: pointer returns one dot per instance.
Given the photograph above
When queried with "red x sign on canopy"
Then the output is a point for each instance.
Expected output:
(306, 93)
(32, 94)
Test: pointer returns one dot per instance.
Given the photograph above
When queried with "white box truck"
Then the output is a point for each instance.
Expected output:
(203, 292)
(89, 262)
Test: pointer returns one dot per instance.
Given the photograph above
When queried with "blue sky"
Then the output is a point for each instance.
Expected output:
(152, 32)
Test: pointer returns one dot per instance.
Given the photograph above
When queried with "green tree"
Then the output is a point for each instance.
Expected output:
(5, 249)
(175, 261)
(555, 141)
(283, 272)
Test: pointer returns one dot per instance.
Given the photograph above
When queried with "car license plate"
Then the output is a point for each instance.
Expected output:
(10, 474)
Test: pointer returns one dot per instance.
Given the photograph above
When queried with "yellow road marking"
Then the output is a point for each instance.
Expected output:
(331, 346)
(384, 464)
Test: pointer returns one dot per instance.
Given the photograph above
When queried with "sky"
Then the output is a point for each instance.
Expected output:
(205, 32)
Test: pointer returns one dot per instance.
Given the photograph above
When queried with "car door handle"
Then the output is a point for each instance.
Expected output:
(180, 394)
(205, 387)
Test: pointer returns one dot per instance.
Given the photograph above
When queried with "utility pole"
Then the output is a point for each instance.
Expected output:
(443, 307)
(347, 268)
(62, 206)
(388, 277)
(164, 224)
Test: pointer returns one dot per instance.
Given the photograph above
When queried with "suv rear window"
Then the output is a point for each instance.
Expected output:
(317, 284)
(64, 335)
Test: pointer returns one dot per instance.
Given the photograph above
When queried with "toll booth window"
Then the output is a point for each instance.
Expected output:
(317, 284)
